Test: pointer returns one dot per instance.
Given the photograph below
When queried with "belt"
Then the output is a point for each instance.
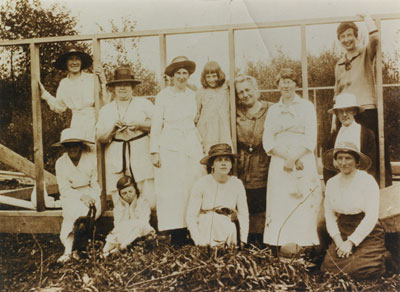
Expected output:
(126, 144)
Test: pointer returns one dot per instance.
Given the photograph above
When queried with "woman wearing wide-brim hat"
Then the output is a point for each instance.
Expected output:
(176, 148)
(218, 200)
(351, 214)
(124, 126)
(76, 91)
(76, 172)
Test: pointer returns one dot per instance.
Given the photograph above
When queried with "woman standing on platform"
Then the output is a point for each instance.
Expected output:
(175, 145)
(253, 161)
(294, 192)
(76, 91)
(124, 125)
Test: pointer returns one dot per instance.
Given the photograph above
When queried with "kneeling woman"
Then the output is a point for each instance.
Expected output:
(131, 217)
(216, 200)
(76, 172)
(351, 213)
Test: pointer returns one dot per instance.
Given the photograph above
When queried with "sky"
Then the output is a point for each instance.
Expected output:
(250, 44)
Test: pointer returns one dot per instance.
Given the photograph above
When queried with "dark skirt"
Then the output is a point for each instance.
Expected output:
(367, 260)
(256, 201)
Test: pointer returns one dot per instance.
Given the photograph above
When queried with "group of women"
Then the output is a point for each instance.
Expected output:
(157, 157)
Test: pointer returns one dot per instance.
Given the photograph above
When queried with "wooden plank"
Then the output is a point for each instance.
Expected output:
(232, 100)
(37, 126)
(163, 58)
(25, 193)
(16, 202)
(101, 166)
(20, 163)
(304, 63)
(202, 29)
(381, 126)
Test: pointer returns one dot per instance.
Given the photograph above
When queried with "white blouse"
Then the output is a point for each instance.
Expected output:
(360, 194)
(351, 134)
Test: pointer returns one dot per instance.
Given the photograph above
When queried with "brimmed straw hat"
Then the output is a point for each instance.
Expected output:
(218, 150)
(347, 147)
(345, 100)
(179, 63)
(61, 62)
(70, 135)
(123, 74)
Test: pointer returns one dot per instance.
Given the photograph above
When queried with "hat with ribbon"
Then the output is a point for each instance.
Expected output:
(345, 100)
(72, 50)
(218, 150)
(123, 74)
(70, 135)
(328, 158)
(179, 63)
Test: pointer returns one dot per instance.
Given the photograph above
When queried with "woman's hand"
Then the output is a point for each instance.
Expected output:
(299, 164)
(289, 164)
(99, 71)
(344, 249)
(155, 159)
(87, 200)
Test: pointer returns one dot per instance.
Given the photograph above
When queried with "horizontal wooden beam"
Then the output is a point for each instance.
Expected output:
(20, 163)
(16, 202)
(202, 29)
(25, 193)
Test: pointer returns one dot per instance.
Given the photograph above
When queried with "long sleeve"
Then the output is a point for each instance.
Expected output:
(199, 105)
(310, 135)
(157, 124)
(64, 184)
(330, 214)
(243, 212)
(95, 189)
(56, 104)
(193, 212)
(268, 139)
(370, 197)
(105, 124)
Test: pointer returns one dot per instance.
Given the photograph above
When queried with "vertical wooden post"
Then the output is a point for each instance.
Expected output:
(163, 57)
(232, 66)
(381, 121)
(304, 72)
(37, 126)
(101, 174)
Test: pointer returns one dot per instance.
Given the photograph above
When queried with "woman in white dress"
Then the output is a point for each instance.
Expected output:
(176, 149)
(294, 192)
(124, 125)
(76, 172)
(76, 91)
(218, 204)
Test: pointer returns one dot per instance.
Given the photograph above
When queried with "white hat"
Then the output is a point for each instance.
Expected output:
(70, 135)
(345, 100)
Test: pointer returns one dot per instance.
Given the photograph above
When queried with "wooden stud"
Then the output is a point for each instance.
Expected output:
(304, 64)
(101, 165)
(37, 126)
(163, 58)
(232, 103)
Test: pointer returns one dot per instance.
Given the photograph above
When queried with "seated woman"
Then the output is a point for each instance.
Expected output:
(131, 217)
(216, 200)
(351, 213)
(76, 172)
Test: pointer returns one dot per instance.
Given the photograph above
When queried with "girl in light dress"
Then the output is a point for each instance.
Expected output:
(212, 119)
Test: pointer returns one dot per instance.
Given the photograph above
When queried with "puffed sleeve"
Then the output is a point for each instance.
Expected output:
(330, 214)
(268, 139)
(193, 211)
(242, 211)
(370, 201)
(57, 104)
(157, 123)
(64, 184)
(310, 134)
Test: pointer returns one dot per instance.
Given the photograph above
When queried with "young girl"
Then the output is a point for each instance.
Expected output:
(131, 217)
(212, 118)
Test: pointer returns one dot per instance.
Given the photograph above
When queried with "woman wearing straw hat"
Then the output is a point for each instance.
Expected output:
(76, 91)
(124, 125)
(293, 188)
(176, 149)
(346, 109)
(351, 213)
(217, 200)
(76, 172)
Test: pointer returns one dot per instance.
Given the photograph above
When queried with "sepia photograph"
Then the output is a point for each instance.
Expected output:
(199, 145)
